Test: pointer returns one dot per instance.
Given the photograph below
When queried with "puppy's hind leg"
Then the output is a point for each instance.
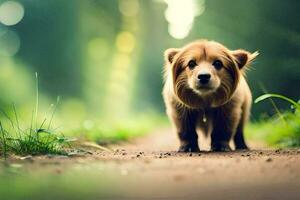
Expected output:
(239, 140)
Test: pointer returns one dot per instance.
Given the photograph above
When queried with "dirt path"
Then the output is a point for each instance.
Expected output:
(150, 168)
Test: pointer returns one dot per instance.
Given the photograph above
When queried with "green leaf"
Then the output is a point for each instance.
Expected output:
(266, 96)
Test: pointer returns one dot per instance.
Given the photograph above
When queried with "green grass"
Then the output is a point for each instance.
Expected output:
(31, 141)
(281, 130)
(35, 138)
(39, 137)
(107, 132)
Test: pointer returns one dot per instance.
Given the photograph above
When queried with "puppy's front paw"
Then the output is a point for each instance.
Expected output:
(221, 147)
(242, 147)
(189, 148)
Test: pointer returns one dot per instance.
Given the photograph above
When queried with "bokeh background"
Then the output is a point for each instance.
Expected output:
(105, 58)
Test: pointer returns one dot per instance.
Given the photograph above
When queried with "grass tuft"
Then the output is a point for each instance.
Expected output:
(281, 130)
(36, 139)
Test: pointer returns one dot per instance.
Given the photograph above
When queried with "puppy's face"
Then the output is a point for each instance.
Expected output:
(206, 72)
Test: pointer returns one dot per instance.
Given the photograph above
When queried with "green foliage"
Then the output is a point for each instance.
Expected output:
(35, 139)
(30, 140)
(281, 130)
(266, 96)
(112, 132)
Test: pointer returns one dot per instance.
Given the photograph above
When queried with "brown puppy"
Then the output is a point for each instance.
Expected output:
(205, 89)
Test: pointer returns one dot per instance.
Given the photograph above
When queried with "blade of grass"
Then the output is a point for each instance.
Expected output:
(7, 117)
(54, 110)
(273, 104)
(3, 141)
(31, 127)
(17, 121)
(266, 96)
(37, 98)
(41, 126)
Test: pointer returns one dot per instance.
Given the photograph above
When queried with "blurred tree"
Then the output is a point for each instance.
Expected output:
(153, 40)
(50, 44)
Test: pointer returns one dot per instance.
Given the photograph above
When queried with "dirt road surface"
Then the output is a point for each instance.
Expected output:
(150, 168)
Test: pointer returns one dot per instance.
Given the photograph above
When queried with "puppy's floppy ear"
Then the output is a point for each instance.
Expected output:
(170, 53)
(244, 58)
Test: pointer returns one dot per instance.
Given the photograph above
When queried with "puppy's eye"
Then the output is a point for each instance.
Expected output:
(192, 64)
(217, 64)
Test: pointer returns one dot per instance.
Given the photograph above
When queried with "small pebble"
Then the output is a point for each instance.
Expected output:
(277, 150)
(269, 160)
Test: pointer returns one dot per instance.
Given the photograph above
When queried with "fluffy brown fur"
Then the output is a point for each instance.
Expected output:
(219, 107)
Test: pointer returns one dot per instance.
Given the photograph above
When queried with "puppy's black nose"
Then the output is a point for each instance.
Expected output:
(204, 78)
